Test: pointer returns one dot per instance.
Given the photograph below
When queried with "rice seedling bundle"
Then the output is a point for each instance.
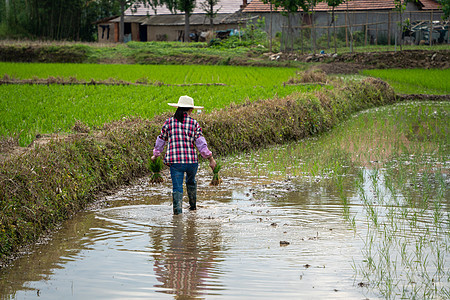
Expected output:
(216, 178)
(156, 167)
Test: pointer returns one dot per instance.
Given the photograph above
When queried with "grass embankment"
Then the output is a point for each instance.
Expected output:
(137, 53)
(49, 183)
(228, 52)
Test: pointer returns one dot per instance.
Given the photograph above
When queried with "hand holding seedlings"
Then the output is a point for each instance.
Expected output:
(216, 179)
(212, 163)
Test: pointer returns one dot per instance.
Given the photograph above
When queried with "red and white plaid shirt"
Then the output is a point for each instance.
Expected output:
(180, 138)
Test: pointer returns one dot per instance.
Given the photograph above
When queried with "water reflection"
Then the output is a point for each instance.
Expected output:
(186, 264)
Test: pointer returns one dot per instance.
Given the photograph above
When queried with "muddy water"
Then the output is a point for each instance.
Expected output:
(247, 240)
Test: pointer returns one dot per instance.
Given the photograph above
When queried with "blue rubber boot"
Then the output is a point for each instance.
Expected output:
(177, 199)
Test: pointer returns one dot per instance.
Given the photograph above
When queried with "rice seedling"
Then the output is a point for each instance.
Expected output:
(216, 180)
(156, 167)
(33, 110)
(415, 81)
(397, 169)
(163, 74)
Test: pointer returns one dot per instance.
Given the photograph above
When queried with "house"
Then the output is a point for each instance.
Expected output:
(145, 23)
(376, 18)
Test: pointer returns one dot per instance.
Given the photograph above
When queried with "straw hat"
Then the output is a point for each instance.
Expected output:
(185, 101)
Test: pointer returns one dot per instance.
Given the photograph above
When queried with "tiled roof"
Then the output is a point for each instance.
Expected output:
(226, 7)
(178, 20)
(259, 6)
(130, 19)
(429, 5)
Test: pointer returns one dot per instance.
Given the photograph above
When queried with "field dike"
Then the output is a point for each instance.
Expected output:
(52, 181)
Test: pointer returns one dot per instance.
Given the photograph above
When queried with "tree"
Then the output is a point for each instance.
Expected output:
(289, 6)
(208, 8)
(311, 4)
(124, 4)
(334, 4)
(445, 5)
(54, 19)
(186, 6)
(400, 6)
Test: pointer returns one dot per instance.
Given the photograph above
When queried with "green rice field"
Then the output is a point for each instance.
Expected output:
(29, 110)
(168, 74)
(389, 166)
(415, 81)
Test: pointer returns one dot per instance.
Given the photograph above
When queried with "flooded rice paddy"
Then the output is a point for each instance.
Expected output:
(251, 238)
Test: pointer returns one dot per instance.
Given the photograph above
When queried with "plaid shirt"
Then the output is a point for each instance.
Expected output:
(181, 140)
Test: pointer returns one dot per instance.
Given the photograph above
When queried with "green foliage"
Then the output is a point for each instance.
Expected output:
(250, 36)
(445, 5)
(56, 19)
(292, 6)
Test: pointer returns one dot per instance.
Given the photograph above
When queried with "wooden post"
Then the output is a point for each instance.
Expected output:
(389, 28)
(328, 31)
(270, 29)
(301, 30)
(431, 29)
(346, 26)
(313, 21)
(135, 32)
(376, 29)
(367, 28)
(116, 32)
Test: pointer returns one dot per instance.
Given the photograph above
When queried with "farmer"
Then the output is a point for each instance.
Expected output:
(182, 132)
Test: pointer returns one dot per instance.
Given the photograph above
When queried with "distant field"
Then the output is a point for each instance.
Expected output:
(169, 74)
(33, 109)
(415, 81)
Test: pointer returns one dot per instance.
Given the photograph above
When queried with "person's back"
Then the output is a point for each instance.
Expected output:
(181, 132)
